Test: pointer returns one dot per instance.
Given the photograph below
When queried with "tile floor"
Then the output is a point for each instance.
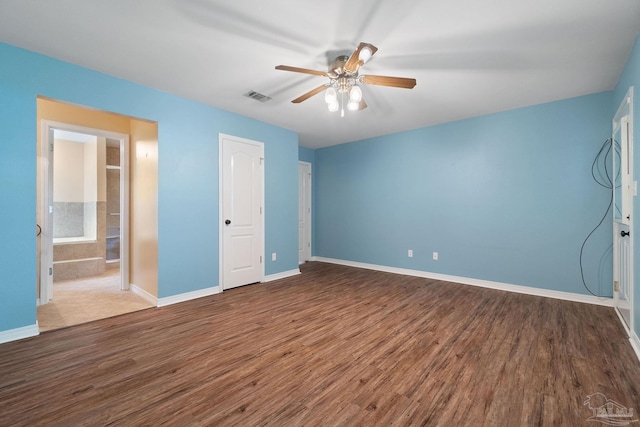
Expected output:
(83, 300)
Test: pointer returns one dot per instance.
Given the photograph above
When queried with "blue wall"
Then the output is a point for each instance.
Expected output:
(187, 176)
(306, 155)
(506, 197)
(631, 77)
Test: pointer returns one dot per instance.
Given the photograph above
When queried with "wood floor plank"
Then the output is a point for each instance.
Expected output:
(332, 346)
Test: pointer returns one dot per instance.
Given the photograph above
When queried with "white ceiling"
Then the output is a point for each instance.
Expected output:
(470, 57)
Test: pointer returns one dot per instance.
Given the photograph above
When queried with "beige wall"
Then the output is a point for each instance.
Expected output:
(69, 183)
(144, 205)
(79, 184)
(143, 244)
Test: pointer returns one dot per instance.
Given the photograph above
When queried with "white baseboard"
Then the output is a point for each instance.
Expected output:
(568, 296)
(281, 275)
(635, 343)
(187, 296)
(19, 333)
(144, 294)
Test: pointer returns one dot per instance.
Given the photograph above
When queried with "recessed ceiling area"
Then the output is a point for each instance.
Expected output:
(469, 57)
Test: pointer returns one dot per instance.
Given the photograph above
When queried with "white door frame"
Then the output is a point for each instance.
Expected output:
(308, 213)
(46, 205)
(624, 114)
(221, 138)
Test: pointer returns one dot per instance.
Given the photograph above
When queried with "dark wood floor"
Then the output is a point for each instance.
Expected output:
(333, 346)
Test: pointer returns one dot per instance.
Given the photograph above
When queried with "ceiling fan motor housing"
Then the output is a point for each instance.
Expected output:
(341, 79)
(336, 68)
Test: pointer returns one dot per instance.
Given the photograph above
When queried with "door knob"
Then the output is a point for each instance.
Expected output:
(625, 233)
(228, 222)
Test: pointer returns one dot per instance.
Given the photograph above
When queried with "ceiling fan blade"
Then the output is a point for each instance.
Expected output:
(401, 82)
(362, 105)
(309, 94)
(301, 70)
(354, 62)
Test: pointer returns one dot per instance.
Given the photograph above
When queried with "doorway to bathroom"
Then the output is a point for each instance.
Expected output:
(83, 226)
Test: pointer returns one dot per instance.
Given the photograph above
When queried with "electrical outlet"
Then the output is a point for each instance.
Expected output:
(410, 253)
(273, 256)
(435, 256)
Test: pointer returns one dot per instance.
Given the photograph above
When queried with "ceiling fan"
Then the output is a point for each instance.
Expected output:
(344, 79)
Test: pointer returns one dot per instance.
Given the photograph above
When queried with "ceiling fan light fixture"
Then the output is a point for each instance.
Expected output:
(355, 94)
(330, 95)
(344, 90)
(365, 54)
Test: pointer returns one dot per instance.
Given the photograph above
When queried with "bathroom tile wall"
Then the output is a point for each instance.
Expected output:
(70, 218)
(76, 260)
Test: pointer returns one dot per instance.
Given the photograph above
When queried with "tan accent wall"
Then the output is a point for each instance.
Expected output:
(143, 233)
(144, 205)
(57, 111)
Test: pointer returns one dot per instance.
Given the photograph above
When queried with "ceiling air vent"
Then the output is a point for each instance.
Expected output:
(257, 96)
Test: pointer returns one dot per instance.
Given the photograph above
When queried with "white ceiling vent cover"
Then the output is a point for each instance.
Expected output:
(257, 96)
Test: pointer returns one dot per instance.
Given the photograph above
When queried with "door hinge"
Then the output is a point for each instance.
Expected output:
(260, 259)
(51, 146)
(616, 286)
(50, 271)
(260, 210)
(308, 244)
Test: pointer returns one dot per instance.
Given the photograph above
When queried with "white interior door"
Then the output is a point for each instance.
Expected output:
(242, 227)
(623, 193)
(304, 212)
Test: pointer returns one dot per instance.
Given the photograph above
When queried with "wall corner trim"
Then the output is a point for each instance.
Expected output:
(174, 299)
(19, 333)
(281, 275)
(567, 296)
(144, 294)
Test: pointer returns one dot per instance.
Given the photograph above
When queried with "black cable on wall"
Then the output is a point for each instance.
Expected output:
(602, 176)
